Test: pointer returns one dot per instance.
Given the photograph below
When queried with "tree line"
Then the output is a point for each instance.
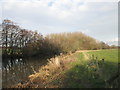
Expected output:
(18, 42)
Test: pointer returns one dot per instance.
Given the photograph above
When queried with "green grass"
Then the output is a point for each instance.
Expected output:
(108, 55)
(89, 73)
(110, 65)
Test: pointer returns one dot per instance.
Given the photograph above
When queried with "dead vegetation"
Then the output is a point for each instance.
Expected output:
(48, 73)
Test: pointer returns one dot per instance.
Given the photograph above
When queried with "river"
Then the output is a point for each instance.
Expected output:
(17, 70)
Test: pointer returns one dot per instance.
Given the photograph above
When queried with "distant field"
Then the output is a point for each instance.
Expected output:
(89, 71)
(107, 55)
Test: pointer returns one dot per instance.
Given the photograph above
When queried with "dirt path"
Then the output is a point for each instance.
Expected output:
(88, 50)
(86, 56)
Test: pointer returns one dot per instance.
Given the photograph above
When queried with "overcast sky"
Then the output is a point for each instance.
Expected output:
(96, 19)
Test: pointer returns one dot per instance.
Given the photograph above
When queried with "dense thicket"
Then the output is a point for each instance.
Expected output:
(16, 42)
(75, 41)
(42, 48)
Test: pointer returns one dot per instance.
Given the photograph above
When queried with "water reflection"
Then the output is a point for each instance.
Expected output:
(17, 70)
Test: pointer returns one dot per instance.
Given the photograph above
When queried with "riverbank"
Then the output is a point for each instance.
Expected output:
(85, 69)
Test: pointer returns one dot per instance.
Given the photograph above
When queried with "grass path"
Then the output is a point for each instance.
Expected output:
(87, 50)
(86, 57)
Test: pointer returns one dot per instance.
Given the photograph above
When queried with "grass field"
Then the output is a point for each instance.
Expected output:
(93, 69)
(108, 55)
(86, 69)
(110, 61)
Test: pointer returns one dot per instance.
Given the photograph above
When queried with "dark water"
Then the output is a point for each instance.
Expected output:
(17, 70)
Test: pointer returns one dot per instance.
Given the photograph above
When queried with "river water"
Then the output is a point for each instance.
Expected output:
(17, 70)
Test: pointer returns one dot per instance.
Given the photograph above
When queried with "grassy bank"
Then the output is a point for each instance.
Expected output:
(84, 69)
(93, 69)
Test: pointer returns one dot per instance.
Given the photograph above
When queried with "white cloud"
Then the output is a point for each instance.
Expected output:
(49, 16)
(114, 40)
(0, 11)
